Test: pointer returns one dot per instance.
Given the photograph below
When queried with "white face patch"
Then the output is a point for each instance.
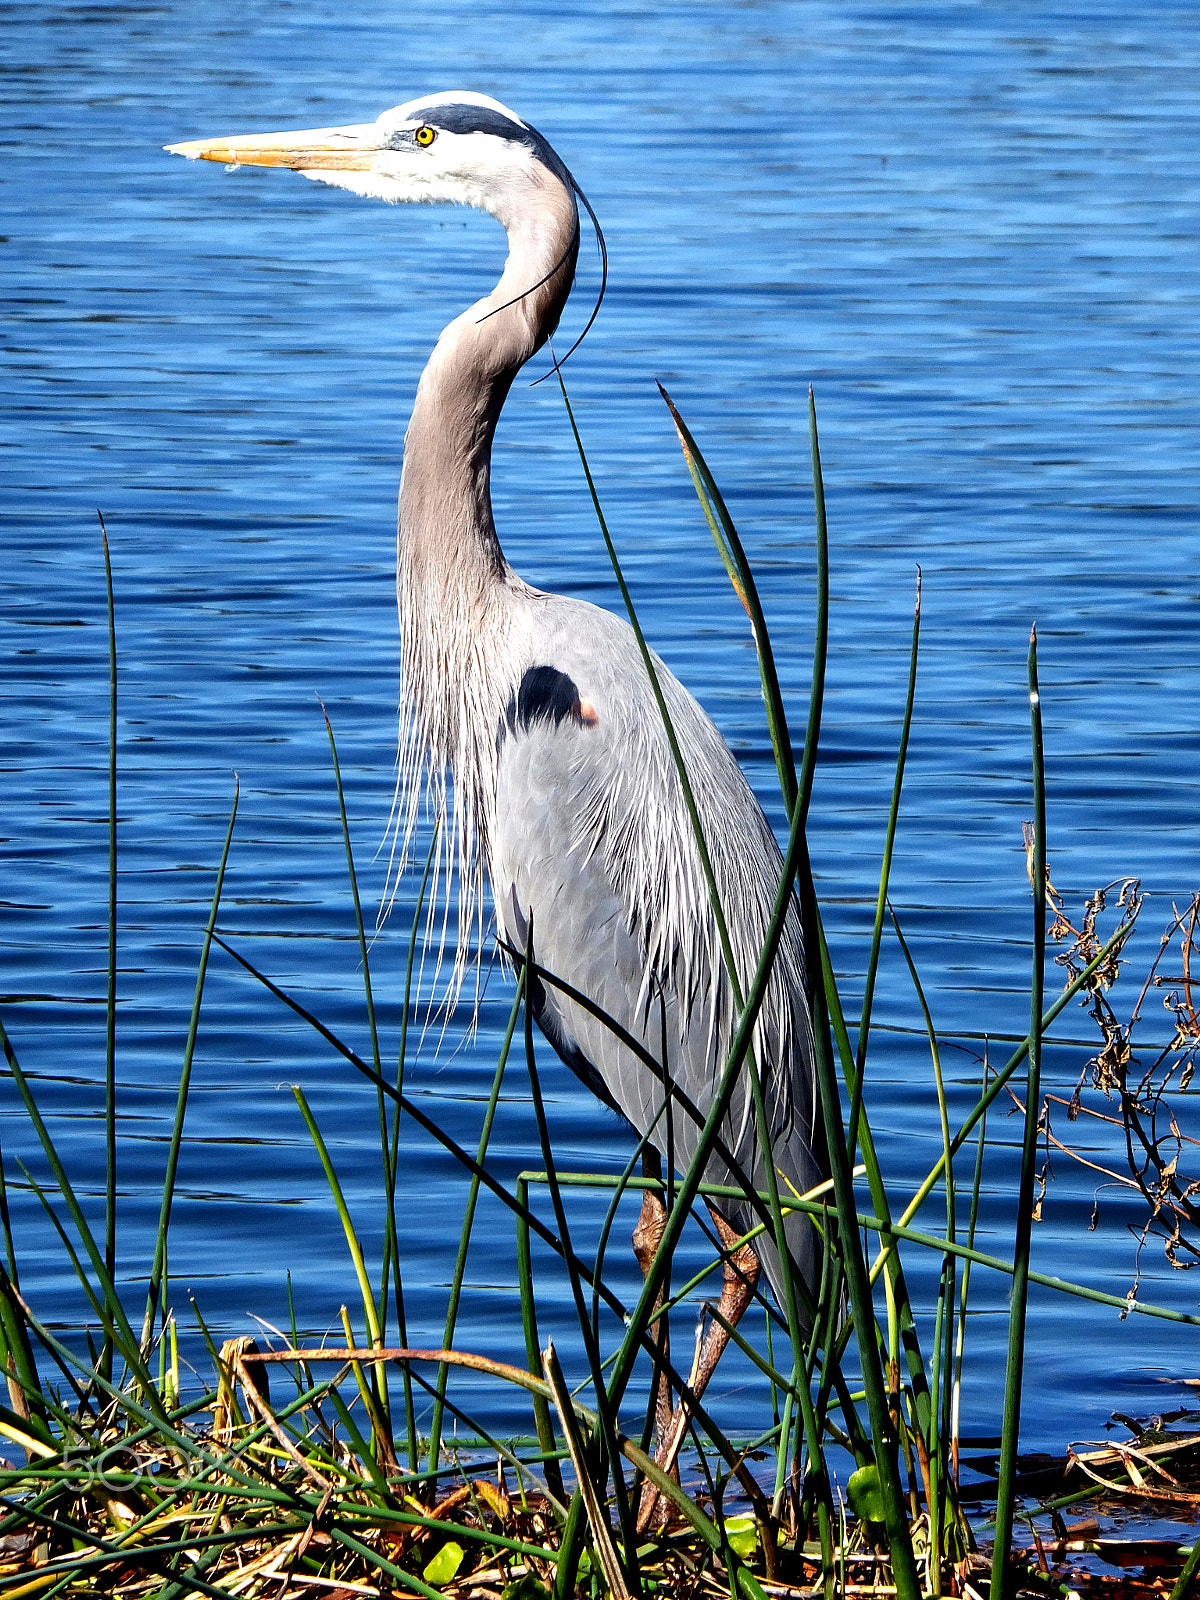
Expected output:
(456, 147)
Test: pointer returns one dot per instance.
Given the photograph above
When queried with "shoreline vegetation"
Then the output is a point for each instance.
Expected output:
(301, 1470)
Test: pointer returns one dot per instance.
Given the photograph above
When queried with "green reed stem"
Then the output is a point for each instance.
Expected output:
(358, 922)
(20, 1367)
(666, 1247)
(1011, 1426)
(824, 994)
(156, 1289)
(374, 1334)
(10, 1253)
(826, 999)
(854, 1064)
(606, 1411)
(110, 1006)
(935, 1429)
(391, 1246)
(816, 698)
(854, 1265)
(375, 1396)
(733, 556)
(899, 1302)
(741, 576)
(1184, 1583)
(410, 1416)
(460, 1265)
(647, 656)
(961, 1336)
(885, 870)
(543, 1424)
(113, 1315)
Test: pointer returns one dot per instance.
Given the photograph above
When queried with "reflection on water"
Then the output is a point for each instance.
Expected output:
(974, 235)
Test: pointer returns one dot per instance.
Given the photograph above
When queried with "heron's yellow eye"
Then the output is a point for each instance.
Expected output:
(425, 136)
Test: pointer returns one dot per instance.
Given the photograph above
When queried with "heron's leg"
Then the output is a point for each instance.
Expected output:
(647, 1236)
(741, 1276)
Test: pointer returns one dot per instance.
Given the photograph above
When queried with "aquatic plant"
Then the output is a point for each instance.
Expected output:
(124, 1487)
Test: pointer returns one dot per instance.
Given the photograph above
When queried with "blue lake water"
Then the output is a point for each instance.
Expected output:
(971, 227)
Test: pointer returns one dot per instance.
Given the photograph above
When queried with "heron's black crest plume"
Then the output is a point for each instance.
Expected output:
(603, 247)
(599, 298)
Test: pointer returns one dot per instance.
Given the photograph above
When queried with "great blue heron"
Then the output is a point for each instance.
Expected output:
(541, 708)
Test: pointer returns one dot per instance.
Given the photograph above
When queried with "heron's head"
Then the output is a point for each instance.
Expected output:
(457, 147)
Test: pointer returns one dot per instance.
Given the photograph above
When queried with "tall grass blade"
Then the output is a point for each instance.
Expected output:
(658, 1270)
(335, 1188)
(460, 1265)
(374, 1398)
(741, 576)
(391, 1247)
(114, 1317)
(825, 996)
(961, 1335)
(20, 1368)
(1011, 1425)
(733, 556)
(689, 798)
(110, 1005)
(739, 1049)
(864, 1026)
(593, 1503)
(936, 1432)
(16, 1352)
(156, 1289)
(541, 1410)
(358, 916)
(816, 697)
(899, 1302)
(850, 1244)
(606, 1411)
(410, 1418)
(854, 1063)
(10, 1253)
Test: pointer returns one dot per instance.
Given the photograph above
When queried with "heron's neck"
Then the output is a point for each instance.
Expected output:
(449, 555)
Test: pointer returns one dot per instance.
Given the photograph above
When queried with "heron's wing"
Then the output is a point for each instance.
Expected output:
(591, 838)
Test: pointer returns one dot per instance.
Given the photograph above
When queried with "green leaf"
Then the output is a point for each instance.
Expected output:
(445, 1564)
(866, 1494)
(742, 1535)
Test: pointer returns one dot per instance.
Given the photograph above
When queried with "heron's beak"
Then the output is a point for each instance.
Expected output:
(350, 149)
